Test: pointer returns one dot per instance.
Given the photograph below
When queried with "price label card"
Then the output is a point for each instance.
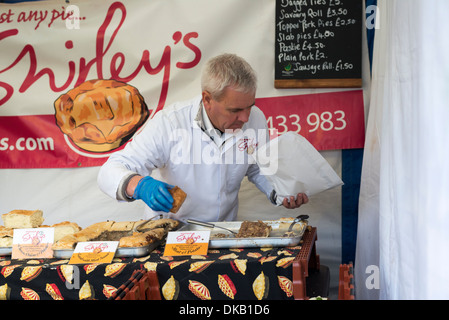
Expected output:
(186, 243)
(94, 252)
(32, 243)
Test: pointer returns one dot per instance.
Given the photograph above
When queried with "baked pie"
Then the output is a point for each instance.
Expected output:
(65, 228)
(253, 229)
(150, 232)
(178, 198)
(23, 219)
(6, 236)
(17, 219)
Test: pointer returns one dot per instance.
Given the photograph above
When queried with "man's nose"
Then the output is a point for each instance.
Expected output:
(244, 115)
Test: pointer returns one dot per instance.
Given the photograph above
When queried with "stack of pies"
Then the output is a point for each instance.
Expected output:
(19, 219)
(23, 219)
(68, 234)
(148, 233)
(6, 235)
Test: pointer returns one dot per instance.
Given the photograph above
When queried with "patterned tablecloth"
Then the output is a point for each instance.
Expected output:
(250, 274)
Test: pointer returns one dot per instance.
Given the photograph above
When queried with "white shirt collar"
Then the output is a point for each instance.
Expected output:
(204, 123)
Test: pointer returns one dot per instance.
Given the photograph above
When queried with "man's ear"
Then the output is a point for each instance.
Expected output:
(207, 98)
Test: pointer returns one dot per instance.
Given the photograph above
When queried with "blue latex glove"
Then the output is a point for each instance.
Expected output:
(154, 193)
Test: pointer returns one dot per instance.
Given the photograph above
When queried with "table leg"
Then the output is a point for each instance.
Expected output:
(307, 258)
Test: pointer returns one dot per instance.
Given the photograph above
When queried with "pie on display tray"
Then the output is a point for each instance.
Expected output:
(276, 238)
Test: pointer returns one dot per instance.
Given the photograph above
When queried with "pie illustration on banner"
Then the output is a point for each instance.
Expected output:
(100, 115)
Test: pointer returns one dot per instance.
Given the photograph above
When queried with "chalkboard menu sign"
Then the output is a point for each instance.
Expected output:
(318, 43)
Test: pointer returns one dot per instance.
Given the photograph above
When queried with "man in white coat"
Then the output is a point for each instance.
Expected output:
(203, 146)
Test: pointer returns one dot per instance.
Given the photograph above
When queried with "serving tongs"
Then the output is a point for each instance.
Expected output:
(136, 227)
(298, 219)
(209, 225)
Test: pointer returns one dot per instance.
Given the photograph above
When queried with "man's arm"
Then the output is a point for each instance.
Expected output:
(132, 184)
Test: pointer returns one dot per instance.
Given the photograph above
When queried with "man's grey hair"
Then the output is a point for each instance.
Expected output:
(228, 70)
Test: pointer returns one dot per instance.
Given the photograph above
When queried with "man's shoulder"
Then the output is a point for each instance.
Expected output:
(181, 106)
(178, 112)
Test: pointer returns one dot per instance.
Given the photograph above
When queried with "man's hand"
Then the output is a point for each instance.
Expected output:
(154, 193)
(291, 203)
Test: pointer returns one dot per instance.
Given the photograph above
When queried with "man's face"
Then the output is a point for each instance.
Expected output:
(231, 111)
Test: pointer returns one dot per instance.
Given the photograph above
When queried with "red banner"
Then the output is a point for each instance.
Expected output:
(328, 120)
(37, 142)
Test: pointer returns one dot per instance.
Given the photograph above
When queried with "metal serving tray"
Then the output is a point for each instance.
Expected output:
(276, 238)
(120, 253)
(5, 251)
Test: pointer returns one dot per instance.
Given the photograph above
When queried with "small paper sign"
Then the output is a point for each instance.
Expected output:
(94, 252)
(185, 243)
(32, 243)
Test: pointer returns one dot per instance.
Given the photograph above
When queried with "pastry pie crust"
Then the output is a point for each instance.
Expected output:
(148, 233)
(23, 219)
(178, 198)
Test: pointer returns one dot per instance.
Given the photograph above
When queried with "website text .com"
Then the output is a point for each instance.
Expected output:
(27, 144)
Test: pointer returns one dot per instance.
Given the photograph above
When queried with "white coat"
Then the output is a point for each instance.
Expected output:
(172, 147)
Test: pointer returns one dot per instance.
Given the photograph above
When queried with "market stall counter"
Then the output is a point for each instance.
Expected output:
(226, 273)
